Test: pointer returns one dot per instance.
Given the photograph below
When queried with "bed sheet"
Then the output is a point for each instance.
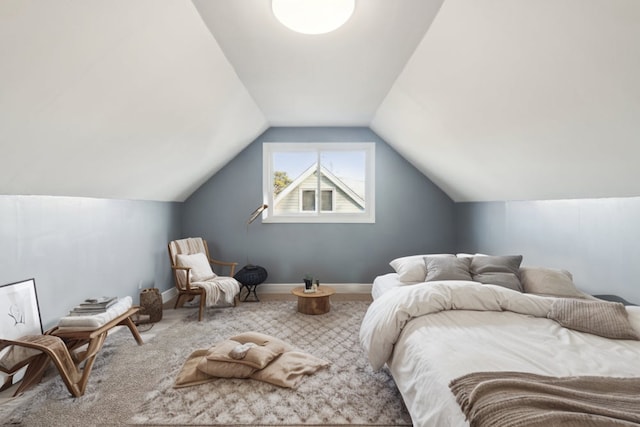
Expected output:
(434, 349)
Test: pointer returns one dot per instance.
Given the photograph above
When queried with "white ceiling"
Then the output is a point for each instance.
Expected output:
(334, 79)
(491, 99)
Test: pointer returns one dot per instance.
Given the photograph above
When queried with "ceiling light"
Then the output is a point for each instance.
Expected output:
(313, 16)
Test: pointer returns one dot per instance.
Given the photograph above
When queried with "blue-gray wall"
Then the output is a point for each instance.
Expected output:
(597, 240)
(412, 216)
(79, 247)
(76, 248)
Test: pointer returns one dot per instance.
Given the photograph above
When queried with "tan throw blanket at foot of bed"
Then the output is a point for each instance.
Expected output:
(510, 399)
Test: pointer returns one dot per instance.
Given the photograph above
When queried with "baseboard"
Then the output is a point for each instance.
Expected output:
(341, 288)
(285, 288)
(169, 294)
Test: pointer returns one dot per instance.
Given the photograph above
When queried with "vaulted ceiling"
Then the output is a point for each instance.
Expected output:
(490, 99)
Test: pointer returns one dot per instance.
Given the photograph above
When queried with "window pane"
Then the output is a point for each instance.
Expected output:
(327, 200)
(309, 200)
(347, 170)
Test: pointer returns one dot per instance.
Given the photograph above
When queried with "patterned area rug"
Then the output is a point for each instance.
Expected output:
(134, 385)
(348, 392)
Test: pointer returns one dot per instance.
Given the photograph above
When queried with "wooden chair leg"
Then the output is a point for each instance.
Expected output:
(179, 301)
(134, 331)
(203, 300)
(33, 374)
(8, 382)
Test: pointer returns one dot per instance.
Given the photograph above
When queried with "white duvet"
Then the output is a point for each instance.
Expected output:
(429, 334)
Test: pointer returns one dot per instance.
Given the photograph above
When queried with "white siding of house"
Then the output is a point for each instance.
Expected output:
(291, 203)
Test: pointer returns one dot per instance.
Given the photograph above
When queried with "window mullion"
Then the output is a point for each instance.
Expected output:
(318, 184)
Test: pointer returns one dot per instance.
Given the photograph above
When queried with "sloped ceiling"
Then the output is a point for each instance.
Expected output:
(523, 99)
(491, 99)
(129, 99)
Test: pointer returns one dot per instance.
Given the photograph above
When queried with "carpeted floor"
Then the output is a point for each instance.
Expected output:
(133, 385)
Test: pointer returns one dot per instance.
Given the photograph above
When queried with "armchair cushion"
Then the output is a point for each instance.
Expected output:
(95, 321)
(200, 268)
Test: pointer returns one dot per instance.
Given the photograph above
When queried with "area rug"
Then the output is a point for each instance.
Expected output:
(348, 392)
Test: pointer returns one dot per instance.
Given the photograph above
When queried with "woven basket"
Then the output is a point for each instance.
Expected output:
(151, 304)
(250, 275)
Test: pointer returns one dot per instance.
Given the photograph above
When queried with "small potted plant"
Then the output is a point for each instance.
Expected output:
(308, 281)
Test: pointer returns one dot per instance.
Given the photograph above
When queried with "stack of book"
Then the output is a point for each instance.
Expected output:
(93, 306)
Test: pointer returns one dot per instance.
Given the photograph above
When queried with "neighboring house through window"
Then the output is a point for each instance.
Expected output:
(319, 182)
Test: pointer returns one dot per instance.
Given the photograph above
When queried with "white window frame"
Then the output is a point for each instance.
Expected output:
(318, 216)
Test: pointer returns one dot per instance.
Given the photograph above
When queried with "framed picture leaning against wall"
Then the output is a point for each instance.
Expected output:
(19, 310)
(19, 316)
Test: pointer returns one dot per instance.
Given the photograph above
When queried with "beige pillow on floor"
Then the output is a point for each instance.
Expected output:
(219, 369)
(190, 375)
(289, 369)
(261, 339)
(256, 357)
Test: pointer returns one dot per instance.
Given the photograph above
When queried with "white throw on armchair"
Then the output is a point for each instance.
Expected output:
(193, 275)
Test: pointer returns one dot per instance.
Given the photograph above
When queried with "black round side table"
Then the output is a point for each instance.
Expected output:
(250, 276)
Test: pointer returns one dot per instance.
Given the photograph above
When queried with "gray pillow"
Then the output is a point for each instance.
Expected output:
(447, 268)
(497, 270)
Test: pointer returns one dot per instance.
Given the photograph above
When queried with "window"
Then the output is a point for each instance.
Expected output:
(309, 200)
(337, 178)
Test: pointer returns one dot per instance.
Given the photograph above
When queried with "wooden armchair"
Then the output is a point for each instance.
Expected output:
(72, 352)
(37, 351)
(194, 276)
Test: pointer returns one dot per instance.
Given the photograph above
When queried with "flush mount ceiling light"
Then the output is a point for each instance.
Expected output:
(313, 16)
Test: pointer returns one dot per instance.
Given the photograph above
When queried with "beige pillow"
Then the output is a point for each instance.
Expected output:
(548, 281)
(219, 369)
(190, 375)
(606, 319)
(261, 339)
(289, 369)
(200, 268)
(411, 268)
(256, 357)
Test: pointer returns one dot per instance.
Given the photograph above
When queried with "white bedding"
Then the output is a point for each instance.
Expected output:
(385, 283)
(429, 334)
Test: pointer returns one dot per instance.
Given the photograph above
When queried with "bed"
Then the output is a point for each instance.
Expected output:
(448, 328)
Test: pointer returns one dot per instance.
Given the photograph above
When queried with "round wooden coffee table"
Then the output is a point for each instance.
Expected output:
(316, 302)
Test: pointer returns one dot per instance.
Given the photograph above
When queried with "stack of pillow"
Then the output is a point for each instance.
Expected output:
(249, 355)
(503, 271)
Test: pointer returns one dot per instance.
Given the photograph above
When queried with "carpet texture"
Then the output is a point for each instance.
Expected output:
(134, 385)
